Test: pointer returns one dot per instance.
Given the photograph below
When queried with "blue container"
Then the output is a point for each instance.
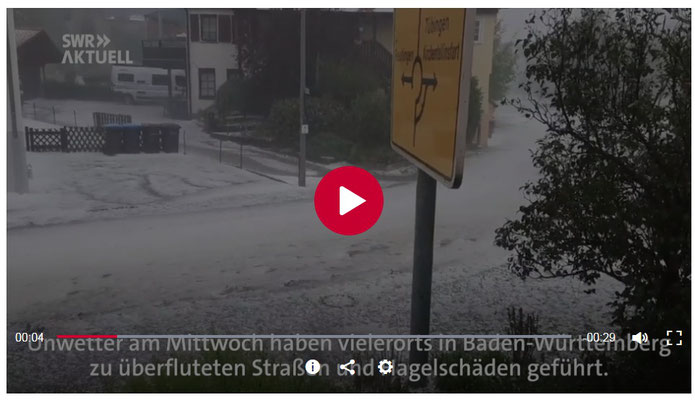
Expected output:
(122, 138)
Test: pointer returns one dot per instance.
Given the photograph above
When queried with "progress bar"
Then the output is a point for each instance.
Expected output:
(299, 336)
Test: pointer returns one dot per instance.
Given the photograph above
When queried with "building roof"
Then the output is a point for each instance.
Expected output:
(35, 47)
(24, 35)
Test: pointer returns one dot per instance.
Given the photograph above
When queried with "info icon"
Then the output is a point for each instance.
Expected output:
(348, 200)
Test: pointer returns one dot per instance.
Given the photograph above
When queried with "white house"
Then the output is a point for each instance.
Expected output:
(213, 54)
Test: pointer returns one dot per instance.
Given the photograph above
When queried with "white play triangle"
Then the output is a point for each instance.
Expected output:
(348, 201)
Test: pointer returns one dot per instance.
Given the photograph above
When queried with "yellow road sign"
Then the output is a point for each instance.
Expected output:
(432, 55)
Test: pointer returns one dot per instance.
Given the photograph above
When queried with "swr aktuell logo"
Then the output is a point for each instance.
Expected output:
(90, 49)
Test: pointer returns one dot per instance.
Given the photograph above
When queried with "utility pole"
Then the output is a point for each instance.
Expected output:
(17, 180)
(160, 36)
(159, 24)
(303, 131)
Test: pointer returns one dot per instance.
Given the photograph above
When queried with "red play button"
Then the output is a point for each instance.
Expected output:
(348, 200)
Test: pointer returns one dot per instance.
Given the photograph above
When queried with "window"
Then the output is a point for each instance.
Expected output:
(478, 32)
(195, 28)
(208, 28)
(160, 80)
(206, 83)
(126, 77)
(225, 28)
(180, 80)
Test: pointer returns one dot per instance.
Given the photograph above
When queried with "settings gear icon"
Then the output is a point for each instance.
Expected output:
(385, 367)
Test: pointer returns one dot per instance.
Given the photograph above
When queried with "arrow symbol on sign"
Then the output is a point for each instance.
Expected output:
(406, 79)
(430, 81)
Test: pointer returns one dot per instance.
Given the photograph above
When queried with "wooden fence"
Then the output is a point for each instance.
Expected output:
(66, 139)
(102, 118)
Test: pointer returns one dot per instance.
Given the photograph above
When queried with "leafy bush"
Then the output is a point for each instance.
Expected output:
(370, 119)
(282, 124)
(241, 95)
(358, 133)
(324, 116)
(612, 89)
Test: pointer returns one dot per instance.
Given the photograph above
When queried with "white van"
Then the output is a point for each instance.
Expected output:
(137, 83)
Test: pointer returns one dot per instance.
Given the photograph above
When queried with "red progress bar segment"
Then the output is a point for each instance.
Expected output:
(87, 336)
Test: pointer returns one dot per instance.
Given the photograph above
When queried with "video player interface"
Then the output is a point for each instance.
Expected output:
(348, 200)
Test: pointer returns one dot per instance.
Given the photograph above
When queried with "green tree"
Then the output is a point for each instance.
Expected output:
(612, 88)
(346, 80)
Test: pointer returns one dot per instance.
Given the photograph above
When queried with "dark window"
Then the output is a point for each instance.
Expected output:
(208, 28)
(225, 28)
(233, 73)
(477, 33)
(126, 77)
(195, 28)
(160, 80)
(180, 80)
(206, 77)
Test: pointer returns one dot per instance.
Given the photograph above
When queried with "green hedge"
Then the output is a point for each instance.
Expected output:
(242, 95)
(359, 132)
(324, 116)
(370, 119)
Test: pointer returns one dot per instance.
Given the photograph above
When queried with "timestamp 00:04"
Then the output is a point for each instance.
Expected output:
(26, 337)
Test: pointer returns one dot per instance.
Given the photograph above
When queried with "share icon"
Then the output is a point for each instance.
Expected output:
(348, 367)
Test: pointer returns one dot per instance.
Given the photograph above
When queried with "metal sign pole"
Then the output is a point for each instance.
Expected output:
(302, 86)
(422, 104)
(425, 201)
